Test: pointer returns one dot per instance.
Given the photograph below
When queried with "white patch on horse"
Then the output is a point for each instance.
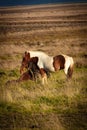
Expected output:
(44, 61)
(48, 64)
(68, 62)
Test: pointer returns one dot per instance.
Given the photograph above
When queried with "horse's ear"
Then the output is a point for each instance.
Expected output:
(28, 54)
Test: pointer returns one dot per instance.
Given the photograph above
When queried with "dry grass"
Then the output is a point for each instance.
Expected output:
(55, 100)
(54, 29)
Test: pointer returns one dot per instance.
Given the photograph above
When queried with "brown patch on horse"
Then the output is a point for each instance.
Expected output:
(58, 62)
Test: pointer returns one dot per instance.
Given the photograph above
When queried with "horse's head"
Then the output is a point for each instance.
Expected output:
(25, 60)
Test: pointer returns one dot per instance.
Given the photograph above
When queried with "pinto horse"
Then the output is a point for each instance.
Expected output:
(49, 63)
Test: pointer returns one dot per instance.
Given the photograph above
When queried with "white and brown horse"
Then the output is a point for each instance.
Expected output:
(49, 63)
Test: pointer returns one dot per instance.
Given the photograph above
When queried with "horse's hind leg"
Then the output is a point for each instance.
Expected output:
(66, 70)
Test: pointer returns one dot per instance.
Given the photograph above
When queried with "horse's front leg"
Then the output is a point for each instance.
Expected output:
(43, 75)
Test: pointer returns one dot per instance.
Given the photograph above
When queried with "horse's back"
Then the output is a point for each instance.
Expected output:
(42, 57)
(37, 53)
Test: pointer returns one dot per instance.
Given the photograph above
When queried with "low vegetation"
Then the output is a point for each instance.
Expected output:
(32, 105)
(60, 104)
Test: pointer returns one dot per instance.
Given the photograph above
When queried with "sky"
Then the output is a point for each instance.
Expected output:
(33, 2)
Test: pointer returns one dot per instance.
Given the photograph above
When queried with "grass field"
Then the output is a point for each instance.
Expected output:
(54, 29)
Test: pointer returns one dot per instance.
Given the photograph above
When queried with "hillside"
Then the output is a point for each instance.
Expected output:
(54, 29)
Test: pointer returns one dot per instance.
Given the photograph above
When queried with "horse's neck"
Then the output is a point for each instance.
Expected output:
(37, 53)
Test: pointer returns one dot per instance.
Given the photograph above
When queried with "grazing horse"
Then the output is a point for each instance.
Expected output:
(49, 63)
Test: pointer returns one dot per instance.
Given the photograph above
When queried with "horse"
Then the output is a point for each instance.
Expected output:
(32, 73)
(33, 70)
(49, 63)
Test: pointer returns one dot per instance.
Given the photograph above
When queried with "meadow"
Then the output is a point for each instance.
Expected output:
(61, 104)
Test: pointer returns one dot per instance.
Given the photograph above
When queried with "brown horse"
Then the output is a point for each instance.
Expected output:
(31, 64)
(33, 70)
(32, 73)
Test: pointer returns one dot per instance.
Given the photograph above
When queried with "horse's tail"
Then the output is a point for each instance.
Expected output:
(70, 69)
